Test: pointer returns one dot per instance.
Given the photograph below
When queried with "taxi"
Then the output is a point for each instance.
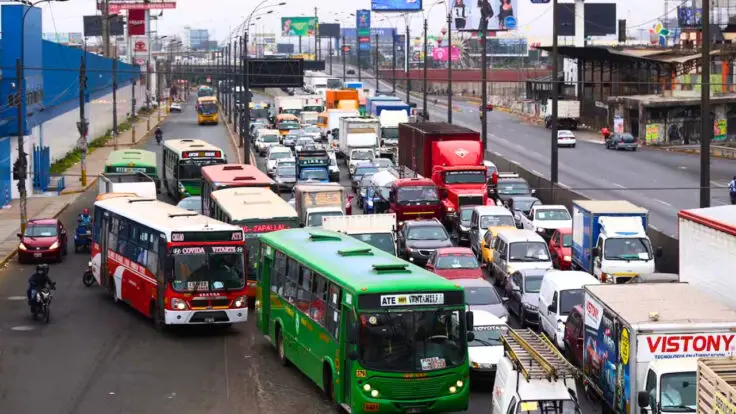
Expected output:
(486, 245)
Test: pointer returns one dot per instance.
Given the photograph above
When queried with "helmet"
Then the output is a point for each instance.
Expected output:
(85, 212)
(42, 268)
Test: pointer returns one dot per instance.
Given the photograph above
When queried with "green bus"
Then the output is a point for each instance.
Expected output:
(183, 162)
(376, 333)
(205, 91)
(131, 161)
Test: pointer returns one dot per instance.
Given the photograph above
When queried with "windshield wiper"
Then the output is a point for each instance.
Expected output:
(687, 409)
(482, 342)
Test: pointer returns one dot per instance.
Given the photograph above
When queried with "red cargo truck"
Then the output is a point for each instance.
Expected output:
(452, 156)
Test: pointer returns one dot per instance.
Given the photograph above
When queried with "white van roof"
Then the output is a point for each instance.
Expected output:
(515, 236)
(569, 279)
(485, 318)
(492, 211)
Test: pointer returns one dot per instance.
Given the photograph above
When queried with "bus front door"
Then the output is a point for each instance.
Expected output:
(347, 371)
(105, 280)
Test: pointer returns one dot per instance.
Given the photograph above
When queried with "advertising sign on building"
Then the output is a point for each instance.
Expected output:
(396, 5)
(298, 26)
(363, 25)
(467, 15)
(140, 45)
(136, 22)
(114, 6)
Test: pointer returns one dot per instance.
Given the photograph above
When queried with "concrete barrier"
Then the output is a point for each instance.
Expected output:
(548, 194)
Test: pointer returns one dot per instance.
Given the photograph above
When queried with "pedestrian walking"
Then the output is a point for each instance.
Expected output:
(732, 190)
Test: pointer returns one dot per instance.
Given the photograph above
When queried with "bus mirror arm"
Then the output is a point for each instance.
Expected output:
(469, 320)
(353, 356)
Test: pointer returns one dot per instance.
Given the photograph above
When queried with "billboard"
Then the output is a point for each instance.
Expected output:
(600, 19)
(62, 38)
(298, 26)
(396, 5)
(115, 6)
(363, 26)
(439, 54)
(501, 15)
(136, 23)
(285, 48)
(507, 47)
(93, 26)
(329, 30)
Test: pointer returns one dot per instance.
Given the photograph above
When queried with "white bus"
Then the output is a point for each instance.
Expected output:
(256, 211)
(171, 264)
(183, 161)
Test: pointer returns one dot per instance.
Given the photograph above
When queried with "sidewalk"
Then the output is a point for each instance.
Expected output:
(53, 206)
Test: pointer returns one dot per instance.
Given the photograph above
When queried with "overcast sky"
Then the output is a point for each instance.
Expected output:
(221, 16)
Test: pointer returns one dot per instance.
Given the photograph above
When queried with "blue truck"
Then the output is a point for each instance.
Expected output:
(370, 107)
(354, 85)
(609, 240)
(312, 166)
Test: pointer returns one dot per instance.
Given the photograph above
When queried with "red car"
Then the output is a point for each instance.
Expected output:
(574, 327)
(560, 245)
(44, 240)
(454, 263)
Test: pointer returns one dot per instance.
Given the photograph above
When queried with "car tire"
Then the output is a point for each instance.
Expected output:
(573, 145)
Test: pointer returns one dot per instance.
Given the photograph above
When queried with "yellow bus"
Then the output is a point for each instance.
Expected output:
(207, 110)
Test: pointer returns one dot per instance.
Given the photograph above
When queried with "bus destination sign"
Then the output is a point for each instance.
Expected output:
(323, 199)
(131, 169)
(201, 154)
(184, 251)
(413, 299)
(264, 227)
(213, 236)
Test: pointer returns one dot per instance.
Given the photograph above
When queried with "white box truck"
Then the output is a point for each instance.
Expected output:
(378, 230)
(639, 343)
(315, 201)
(135, 183)
(359, 140)
(708, 250)
(568, 114)
(288, 105)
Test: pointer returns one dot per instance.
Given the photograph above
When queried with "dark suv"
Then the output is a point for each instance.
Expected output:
(419, 239)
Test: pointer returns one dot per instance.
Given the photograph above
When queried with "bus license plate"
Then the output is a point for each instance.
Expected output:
(209, 320)
(413, 410)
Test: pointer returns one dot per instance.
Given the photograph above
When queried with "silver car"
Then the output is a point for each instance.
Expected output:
(285, 174)
(480, 294)
(522, 290)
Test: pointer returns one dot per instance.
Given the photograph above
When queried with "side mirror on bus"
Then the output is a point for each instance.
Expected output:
(470, 336)
(469, 320)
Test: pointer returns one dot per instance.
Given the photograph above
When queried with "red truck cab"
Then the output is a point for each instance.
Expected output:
(414, 199)
(452, 156)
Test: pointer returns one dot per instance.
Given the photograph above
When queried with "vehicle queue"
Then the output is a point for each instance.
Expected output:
(363, 321)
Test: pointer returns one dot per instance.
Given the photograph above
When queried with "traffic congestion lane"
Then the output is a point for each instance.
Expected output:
(660, 181)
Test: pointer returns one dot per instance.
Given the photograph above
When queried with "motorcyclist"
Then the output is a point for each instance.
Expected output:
(159, 134)
(39, 280)
(85, 219)
(605, 132)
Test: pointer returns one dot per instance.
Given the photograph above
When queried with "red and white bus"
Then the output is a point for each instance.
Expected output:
(256, 211)
(217, 177)
(173, 265)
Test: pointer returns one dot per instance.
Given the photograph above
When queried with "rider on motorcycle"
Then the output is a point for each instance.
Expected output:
(159, 134)
(39, 280)
(85, 219)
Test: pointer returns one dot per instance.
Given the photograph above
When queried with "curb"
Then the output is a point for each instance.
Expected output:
(713, 153)
(12, 254)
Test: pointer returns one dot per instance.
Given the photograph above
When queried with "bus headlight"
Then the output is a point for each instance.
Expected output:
(374, 393)
(178, 304)
(240, 302)
(459, 383)
(453, 389)
(366, 387)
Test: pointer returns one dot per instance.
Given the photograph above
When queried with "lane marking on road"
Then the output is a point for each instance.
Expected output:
(521, 147)
(619, 185)
(718, 184)
(663, 202)
(17, 298)
(564, 185)
(514, 162)
(23, 328)
(682, 167)
(654, 228)
(497, 153)
(720, 203)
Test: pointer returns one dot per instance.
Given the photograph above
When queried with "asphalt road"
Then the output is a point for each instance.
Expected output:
(662, 182)
(99, 357)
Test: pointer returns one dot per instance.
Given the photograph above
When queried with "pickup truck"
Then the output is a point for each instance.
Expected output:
(545, 219)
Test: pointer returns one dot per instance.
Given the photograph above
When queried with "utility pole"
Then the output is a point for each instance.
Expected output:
(106, 28)
(357, 44)
(330, 55)
(394, 37)
(83, 125)
(246, 94)
(246, 134)
(449, 66)
(300, 44)
(343, 46)
(406, 66)
(378, 83)
(484, 81)
(20, 169)
(115, 102)
(238, 97)
(316, 35)
(132, 98)
(424, 82)
(706, 120)
(554, 155)
(231, 82)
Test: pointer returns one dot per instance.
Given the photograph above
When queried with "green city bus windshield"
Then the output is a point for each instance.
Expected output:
(418, 341)
(191, 169)
(205, 268)
(205, 92)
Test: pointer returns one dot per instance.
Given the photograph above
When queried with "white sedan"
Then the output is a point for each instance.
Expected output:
(175, 107)
(565, 138)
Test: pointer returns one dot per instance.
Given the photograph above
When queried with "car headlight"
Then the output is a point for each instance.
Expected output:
(529, 306)
(54, 246)
(560, 326)
(240, 302)
(178, 304)
(22, 246)
(540, 230)
(463, 228)
(504, 318)
(510, 269)
(567, 258)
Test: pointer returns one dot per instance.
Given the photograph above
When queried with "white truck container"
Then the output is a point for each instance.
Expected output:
(359, 139)
(378, 230)
(708, 250)
(288, 105)
(568, 114)
(312, 103)
(313, 202)
(333, 121)
(136, 183)
(640, 343)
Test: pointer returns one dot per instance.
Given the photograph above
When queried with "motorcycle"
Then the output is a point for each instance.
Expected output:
(41, 303)
(83, 237)
(88, 278)
(159, 136)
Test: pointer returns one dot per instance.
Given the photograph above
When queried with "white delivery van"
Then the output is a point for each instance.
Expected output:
(561, 291)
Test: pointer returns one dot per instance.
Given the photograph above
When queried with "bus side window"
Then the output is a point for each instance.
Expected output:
(292, 278)
(332, 323)
(97, 221)
(304, 291)
(319, 299)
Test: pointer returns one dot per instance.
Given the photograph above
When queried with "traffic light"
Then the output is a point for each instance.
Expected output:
(19, 169)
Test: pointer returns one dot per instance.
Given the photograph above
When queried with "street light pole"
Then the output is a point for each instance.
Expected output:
(406, 65)
(424, 83)
(706, 120)
(554, 155)
(449, 66)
